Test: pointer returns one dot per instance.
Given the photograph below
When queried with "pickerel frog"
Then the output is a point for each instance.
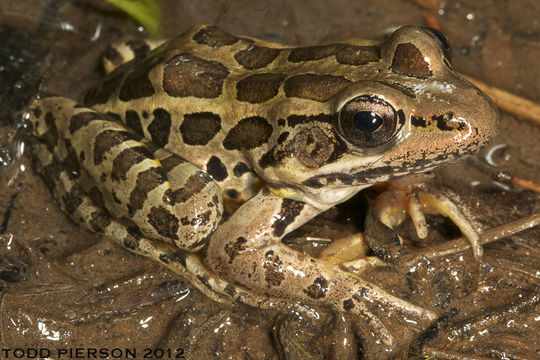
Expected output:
(209, 121)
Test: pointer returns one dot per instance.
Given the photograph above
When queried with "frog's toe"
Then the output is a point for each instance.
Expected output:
(444, 205)
(348, 248)
(415, 196)
(359, 265)
(350, 254)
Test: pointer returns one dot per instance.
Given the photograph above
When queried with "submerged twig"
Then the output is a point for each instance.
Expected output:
(525, 184)
(449, 355)
(462, 244)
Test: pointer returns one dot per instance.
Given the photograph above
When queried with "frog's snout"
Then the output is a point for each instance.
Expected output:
(484, 118)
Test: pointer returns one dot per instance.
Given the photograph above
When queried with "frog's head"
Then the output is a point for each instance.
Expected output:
(406, 113)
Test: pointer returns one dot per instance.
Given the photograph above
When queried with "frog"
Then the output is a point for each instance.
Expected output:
(204, 151)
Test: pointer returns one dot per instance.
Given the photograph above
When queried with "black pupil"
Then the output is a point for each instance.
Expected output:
(367, 121)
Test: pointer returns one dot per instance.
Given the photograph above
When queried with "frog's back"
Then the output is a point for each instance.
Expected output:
(182, 97)
(207, 88)
(196, 70)
(183, 93)
(225, 102)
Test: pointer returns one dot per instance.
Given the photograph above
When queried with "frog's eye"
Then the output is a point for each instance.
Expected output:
(368, 121)
(442, 41)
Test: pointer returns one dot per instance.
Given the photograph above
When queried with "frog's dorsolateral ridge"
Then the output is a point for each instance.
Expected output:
(278, 133)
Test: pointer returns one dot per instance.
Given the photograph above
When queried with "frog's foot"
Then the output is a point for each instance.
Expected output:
(345, 249)
(349, 253)
(122, 52)
(416, 196)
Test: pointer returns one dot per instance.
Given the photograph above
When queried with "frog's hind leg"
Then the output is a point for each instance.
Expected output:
(59, 157)
(83, 211)
(122, 175)
(122, 52)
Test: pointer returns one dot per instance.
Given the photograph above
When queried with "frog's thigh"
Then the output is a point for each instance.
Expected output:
(85, 212)
(159, 193)
(248, 248)
(196, 200)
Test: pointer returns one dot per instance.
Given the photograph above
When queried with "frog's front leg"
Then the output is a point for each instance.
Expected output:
(248, 248)
(416, 195)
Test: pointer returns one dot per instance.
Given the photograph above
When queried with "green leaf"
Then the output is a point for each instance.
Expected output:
(146, 12)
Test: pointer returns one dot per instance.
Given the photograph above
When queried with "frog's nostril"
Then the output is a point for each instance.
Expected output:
(448, 121)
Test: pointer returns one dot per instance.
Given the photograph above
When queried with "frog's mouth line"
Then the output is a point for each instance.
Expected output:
(385, 172)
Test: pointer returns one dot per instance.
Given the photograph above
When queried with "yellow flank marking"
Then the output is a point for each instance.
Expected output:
(286, 193)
